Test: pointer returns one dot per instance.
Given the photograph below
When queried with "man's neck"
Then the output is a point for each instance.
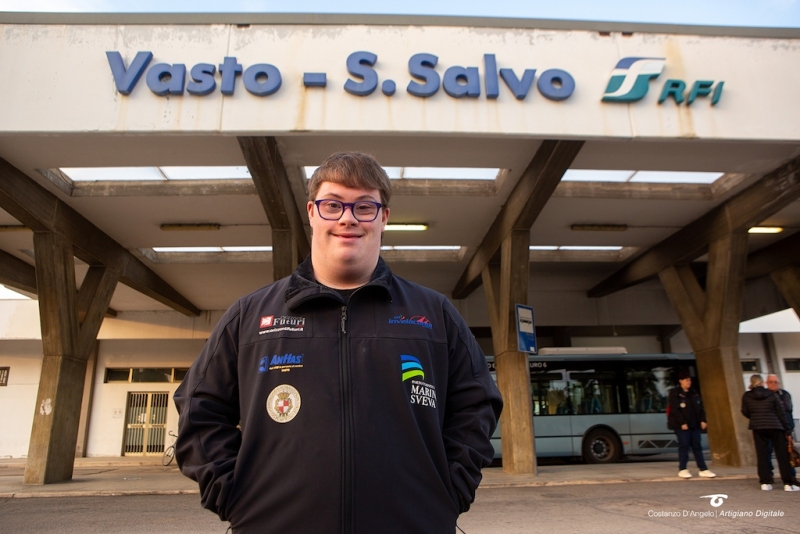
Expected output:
(339, 280)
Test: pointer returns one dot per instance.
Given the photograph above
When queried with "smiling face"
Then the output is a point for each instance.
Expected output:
(344, 253)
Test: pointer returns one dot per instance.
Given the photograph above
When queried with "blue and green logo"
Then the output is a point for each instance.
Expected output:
(411, 367)
(630, 79)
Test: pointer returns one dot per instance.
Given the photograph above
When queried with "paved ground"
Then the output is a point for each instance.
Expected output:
(634, 507)
(121, 495)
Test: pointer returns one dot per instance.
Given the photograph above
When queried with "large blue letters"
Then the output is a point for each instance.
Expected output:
(359, 64)
(421, 66)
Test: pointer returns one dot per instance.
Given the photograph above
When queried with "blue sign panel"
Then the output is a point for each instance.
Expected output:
(526, 329)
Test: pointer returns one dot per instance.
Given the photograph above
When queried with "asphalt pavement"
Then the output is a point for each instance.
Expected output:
(111, 496)
(146, 476)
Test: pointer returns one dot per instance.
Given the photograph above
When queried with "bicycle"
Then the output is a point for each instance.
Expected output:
(169, 452)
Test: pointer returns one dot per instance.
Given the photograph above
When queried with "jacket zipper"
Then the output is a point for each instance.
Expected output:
(347, 429)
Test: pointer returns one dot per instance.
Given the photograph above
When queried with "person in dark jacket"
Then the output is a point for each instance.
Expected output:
(687, 417)
(364, 403)
(774, 385)
(769, 425)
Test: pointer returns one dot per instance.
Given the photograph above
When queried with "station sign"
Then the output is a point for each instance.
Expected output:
(629, 81)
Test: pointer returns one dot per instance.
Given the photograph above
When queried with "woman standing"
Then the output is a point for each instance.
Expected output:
(769, 425)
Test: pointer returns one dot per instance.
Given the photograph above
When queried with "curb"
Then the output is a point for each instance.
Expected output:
(493, 485)
(99, 493)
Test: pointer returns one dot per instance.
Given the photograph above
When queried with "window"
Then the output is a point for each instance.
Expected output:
(583, 392)
(4, 376)
(792, 365)
(648, 388)
(751, 366)
(146, 374)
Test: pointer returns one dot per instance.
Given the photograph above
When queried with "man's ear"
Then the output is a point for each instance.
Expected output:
(384, 218)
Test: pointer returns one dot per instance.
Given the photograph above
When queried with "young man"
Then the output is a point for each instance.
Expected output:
(364, 401)
(687, 418)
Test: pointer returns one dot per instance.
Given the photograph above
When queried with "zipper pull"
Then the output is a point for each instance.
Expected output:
(344, 319)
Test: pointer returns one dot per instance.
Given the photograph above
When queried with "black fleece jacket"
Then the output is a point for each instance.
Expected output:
(367, 416)
(764, 409)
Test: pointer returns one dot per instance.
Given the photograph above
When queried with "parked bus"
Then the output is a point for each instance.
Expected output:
(603, 406)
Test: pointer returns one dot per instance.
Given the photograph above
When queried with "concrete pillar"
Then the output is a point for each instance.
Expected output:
(710, 319)
(70, 321)
(506, 286)
(51, 451)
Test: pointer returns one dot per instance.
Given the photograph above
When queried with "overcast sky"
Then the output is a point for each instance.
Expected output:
(774, 13)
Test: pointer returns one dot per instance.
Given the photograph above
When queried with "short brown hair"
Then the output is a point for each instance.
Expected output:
(352, 169)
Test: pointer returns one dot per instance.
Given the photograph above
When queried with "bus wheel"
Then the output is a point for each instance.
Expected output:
(601, 446)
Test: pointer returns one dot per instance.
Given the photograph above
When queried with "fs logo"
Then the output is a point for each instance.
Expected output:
(630, 79)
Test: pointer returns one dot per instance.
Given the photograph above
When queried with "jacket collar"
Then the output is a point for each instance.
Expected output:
(304, 287)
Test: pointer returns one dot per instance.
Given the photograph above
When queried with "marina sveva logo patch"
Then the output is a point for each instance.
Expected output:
(422, 393)
(283, 403)
(270, 323)
(411, 367)
(630, 79)
(418, 320)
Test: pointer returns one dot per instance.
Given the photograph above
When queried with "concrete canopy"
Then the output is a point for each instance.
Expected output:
(84, 122)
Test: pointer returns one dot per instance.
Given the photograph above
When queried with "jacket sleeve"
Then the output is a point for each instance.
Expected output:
(786, 398)
(472, 410)
(745, 407)
(675, 410)
(701, 409)
(208, 404)
(781, 413)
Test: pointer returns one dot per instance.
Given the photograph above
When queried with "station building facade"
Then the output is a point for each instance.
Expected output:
(621, 156)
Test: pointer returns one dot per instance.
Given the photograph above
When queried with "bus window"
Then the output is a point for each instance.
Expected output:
(648, 388)
(593, 392)
(548, 393)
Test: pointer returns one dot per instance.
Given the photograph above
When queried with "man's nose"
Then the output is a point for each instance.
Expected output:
(348, 219)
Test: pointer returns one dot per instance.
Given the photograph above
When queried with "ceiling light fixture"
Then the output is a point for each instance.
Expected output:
(599, 227)
(406, 227)
(190, 227)
(765, 230)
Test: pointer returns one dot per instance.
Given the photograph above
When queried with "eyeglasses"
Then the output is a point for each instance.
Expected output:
(363, 210)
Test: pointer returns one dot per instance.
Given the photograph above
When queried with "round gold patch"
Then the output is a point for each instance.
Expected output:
(283, 403)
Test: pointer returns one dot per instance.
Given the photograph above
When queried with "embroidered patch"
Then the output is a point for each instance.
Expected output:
(270, 323)
(283, 403)
(417, 320)
(422, 393)
(280, 362)
(411, 367)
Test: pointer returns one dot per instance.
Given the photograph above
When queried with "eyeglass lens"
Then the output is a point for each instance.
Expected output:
(362, 211)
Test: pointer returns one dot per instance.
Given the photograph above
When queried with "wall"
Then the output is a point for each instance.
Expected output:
(107, 422)
(18, 399)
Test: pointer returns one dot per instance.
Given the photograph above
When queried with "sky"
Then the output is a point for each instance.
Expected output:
(763, 13)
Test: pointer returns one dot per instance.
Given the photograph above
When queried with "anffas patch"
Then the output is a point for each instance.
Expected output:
(283, 403)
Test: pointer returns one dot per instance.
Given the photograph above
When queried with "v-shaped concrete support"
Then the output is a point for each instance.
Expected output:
(710, 319)
(70, 321)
